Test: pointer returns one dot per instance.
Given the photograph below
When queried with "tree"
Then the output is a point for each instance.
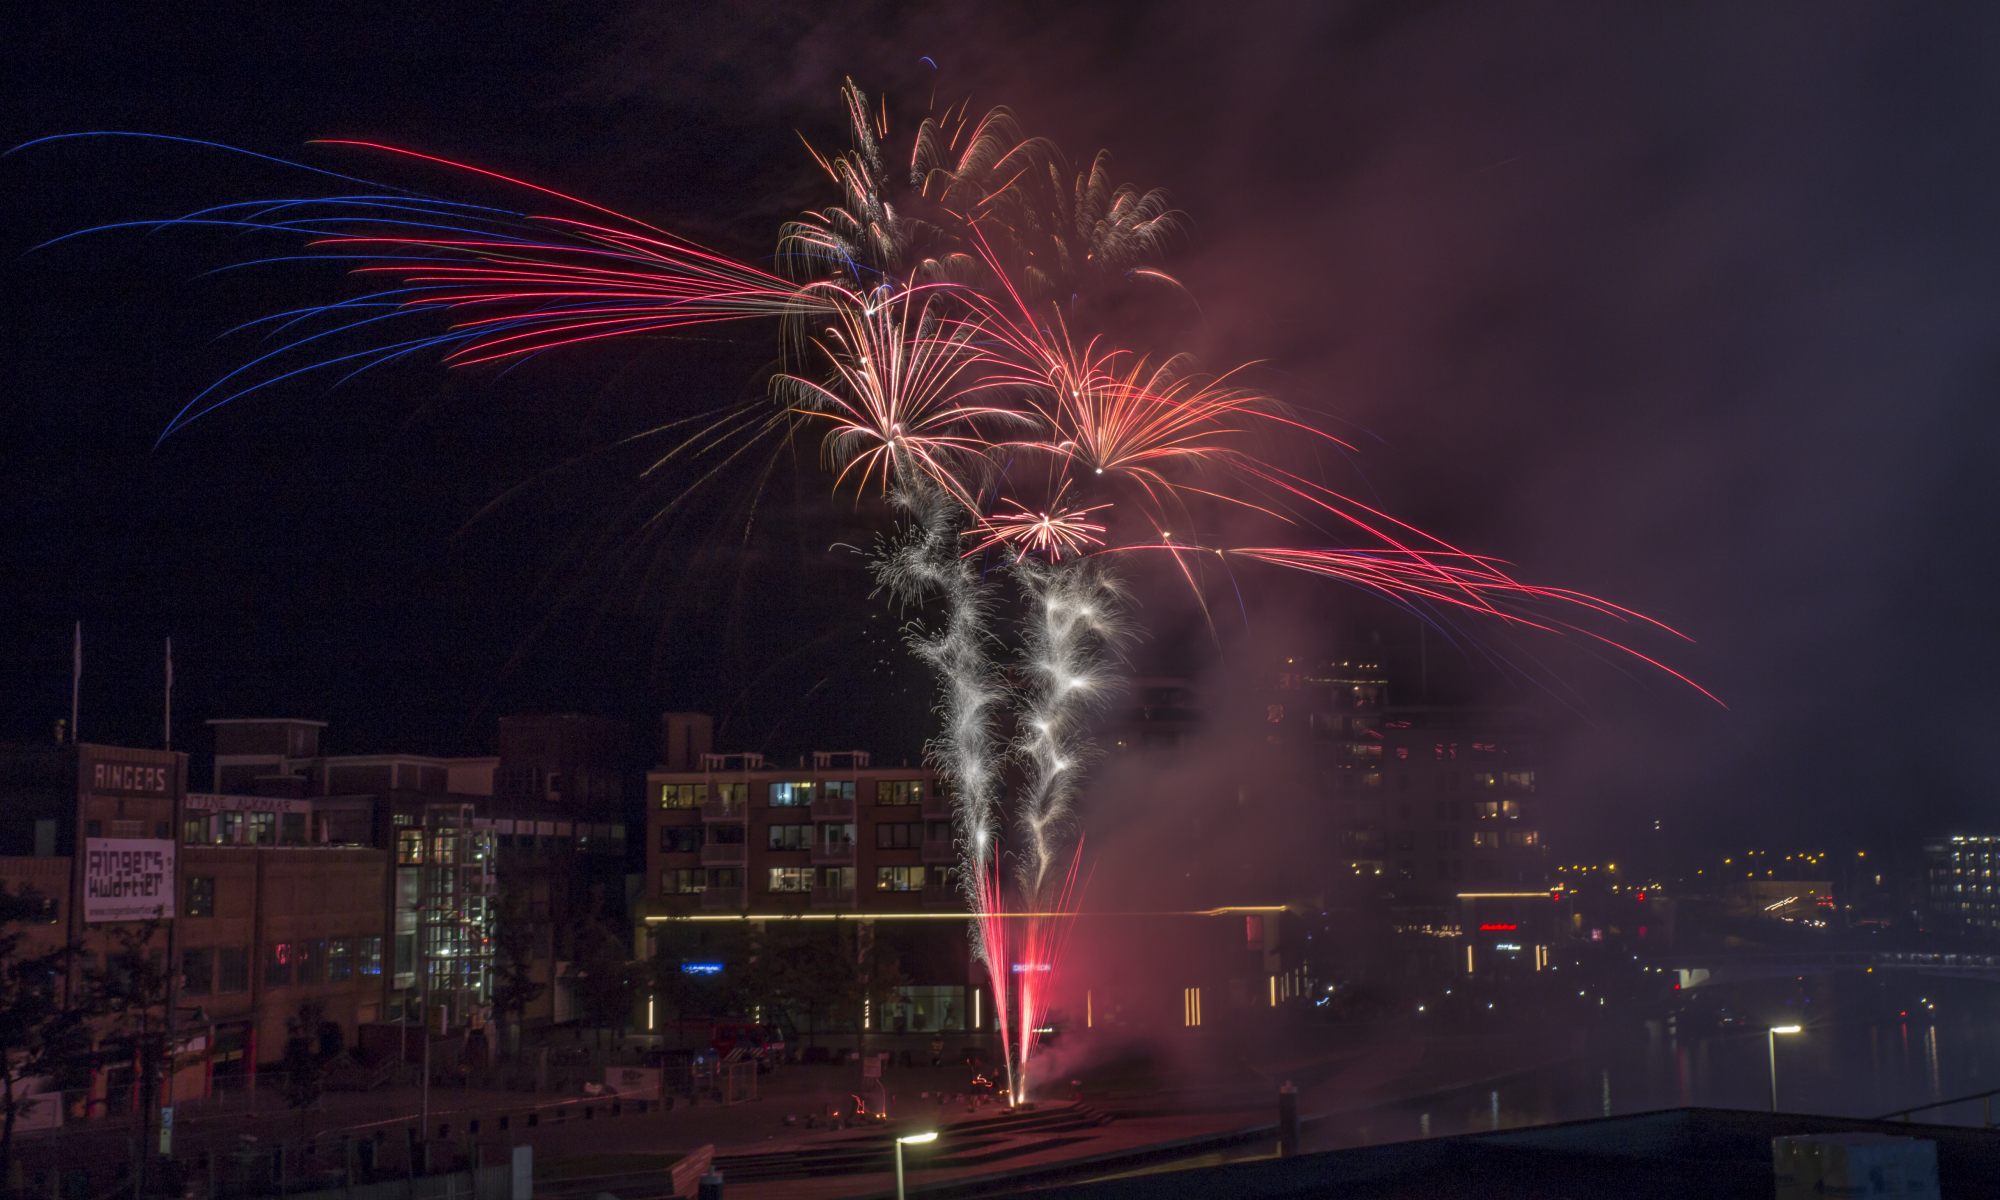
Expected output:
(41, 1031)
(864, 976)
(605, 977)
(131, 993)
(305, 1058)
(514, 984)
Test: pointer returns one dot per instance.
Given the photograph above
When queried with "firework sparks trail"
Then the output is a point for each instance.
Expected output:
(1074, 628)
(925, 562)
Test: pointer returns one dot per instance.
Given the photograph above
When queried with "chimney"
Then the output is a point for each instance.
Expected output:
(684, 738)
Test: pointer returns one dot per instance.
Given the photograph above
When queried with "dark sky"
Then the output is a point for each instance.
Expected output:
(1692, 307)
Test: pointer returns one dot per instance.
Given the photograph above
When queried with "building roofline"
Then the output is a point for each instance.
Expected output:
(263, 721)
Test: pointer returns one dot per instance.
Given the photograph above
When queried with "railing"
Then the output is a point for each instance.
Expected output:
(826, 809)
(722, 897)
(823, 760)
(725, 810)
(724, 854)
(934, 806)
(833, 897)
(1986, 1116)
(940, 850)
(832, 854)
(943, 895)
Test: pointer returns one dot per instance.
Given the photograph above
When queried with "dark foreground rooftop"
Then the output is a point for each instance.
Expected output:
(1677, 1154)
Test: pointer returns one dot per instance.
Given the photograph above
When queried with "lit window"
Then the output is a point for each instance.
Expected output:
(791, 879)
(683, 795)
(899, 792)
(899, 879)
(791, 795)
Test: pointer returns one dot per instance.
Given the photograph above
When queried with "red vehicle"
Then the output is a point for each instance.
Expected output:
(765, 1043)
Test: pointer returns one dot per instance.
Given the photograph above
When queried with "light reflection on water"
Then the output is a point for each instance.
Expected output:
(1856, 1068)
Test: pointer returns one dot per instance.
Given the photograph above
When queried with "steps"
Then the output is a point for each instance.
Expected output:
(967, 1143)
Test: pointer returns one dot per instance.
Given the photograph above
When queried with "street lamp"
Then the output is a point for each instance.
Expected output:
(1771, 1037)
(915, 1139)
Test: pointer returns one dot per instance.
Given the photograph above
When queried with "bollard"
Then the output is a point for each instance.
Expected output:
(1288, 1120)
(710, 1187)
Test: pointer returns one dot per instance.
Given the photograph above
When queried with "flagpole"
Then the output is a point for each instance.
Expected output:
(75, 681)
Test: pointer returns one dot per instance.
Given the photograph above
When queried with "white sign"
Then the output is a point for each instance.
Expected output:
(127, 879)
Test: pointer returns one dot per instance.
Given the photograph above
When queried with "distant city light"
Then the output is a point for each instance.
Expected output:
(701, 968)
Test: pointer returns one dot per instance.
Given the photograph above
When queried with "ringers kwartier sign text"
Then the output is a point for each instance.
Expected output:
(127, 879)
(145, 779)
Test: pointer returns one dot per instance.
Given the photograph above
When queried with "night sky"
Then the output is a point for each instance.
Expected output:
(1692, 307)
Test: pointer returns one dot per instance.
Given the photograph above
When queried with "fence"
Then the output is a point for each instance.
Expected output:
(484, 1183)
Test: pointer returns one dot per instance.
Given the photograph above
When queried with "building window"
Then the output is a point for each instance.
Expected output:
(899, 792)
(725, 878)
(899, 879)
(197, 972)
(896, 836)
(838, 879)
(791, 879)
(293, 829)
(791, 795)
(229, 828)
(837, 790)
(200, 896)
(681, 881)
(444, 849)
(681, 839)
(937, 831)
(194, 831)
(409, 846)
(1518, 781)
(263, 828)
(1486, 839)
(340, 960)
(939, 876)
(309, 962)
(278, 962)
(1371, 779)
(838, 835)
(791, 837)
(1484, 779)
(1521, 837)
(368, 956)
(733, 795)
(683, 795)
(232, 969)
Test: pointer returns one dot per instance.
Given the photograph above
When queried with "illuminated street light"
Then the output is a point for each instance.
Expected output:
(1771, 1037)
(915, 1139)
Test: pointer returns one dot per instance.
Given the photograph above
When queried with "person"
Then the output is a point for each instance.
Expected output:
(937, 1049)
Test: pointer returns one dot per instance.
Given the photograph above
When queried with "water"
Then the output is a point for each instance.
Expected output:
(1865, 1052)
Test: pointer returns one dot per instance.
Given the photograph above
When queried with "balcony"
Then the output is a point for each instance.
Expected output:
(725, 810)
(833, 854)
(943, 895)
(725, 854)
(723, 898)
(833, 897)
(824, 809)
(940, 850)
(935, 807)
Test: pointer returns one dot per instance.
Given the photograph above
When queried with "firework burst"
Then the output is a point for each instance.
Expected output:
(925, 323)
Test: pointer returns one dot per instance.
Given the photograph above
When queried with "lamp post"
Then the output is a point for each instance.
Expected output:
(914, 1139)
(1771, 1039)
